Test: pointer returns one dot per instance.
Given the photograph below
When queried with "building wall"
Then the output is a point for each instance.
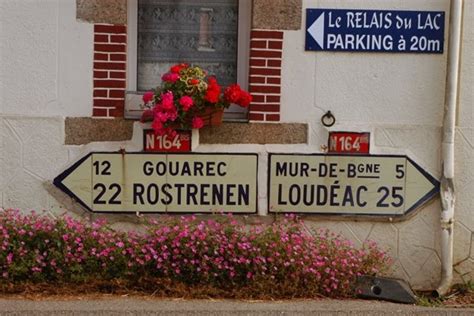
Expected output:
(46, 58)
(47, 74)
(464, 155)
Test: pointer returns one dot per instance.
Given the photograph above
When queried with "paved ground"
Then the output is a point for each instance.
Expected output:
(134, 306)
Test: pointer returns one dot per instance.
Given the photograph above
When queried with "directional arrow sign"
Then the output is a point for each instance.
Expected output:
(374, 31)
(351, 185)
(316, 30)
(153, 182)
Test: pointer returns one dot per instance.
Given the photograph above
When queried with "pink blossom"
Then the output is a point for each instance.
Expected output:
(10, 258)
(197, 122)
(167, 102)
(148, 96)
(205, 250)
(187, 102)
(157, 126)
(161, 116)
(172, 114)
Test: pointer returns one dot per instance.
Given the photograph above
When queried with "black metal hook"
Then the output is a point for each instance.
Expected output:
(328, 119)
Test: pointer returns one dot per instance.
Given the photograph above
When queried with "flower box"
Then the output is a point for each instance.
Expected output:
(189, 98)
(212, 117)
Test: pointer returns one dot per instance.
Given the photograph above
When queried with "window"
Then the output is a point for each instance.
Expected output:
(213, 34)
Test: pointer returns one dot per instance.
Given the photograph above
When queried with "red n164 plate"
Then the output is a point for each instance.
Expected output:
(349, 142)
(181, 142)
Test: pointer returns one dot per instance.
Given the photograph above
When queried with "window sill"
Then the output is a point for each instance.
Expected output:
(83, 130)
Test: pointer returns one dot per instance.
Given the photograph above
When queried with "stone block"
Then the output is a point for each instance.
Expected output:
(429, 275)
(277, 14)
(340, 228)
(417, 244)
(397, 271)
(386, 236)
(430, 214)
(102, 11)
(464, 271)
(84, 130)
(361, 229)
(462, 242)
(464, 178)
(255, 133)
(471, 253)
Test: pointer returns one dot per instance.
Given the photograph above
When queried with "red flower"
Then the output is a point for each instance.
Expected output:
(178, 67)
(213, 91)
(211, 96)
(197, 122)
(232, 93)
(245, 99)
(193, 82)
(212, 81)
(170, 77)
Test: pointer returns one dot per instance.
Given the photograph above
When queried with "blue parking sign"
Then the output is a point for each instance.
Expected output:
(375, 31)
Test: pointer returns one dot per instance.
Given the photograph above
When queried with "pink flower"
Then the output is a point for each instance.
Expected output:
(157, 125)
(161, 116)
(197, 122)
(173, 114)
(167, 101)
(10, 258)
(170, 77)
(148, 96)
(187, 102)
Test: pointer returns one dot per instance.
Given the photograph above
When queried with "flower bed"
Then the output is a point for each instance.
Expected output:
(277, 260)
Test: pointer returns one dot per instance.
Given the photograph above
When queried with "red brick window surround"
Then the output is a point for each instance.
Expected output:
(110, 55)
(265, 74)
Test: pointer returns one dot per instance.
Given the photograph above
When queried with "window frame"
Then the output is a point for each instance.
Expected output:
(133, 97)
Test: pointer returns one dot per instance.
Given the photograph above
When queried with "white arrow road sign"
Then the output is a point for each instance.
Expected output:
(316, 30)
(348, 184)
(154, 182)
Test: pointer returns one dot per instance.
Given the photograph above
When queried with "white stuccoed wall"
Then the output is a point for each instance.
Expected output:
(46, 59)
(46, 74)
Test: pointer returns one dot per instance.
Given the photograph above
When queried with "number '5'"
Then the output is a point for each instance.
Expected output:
(399, 169)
